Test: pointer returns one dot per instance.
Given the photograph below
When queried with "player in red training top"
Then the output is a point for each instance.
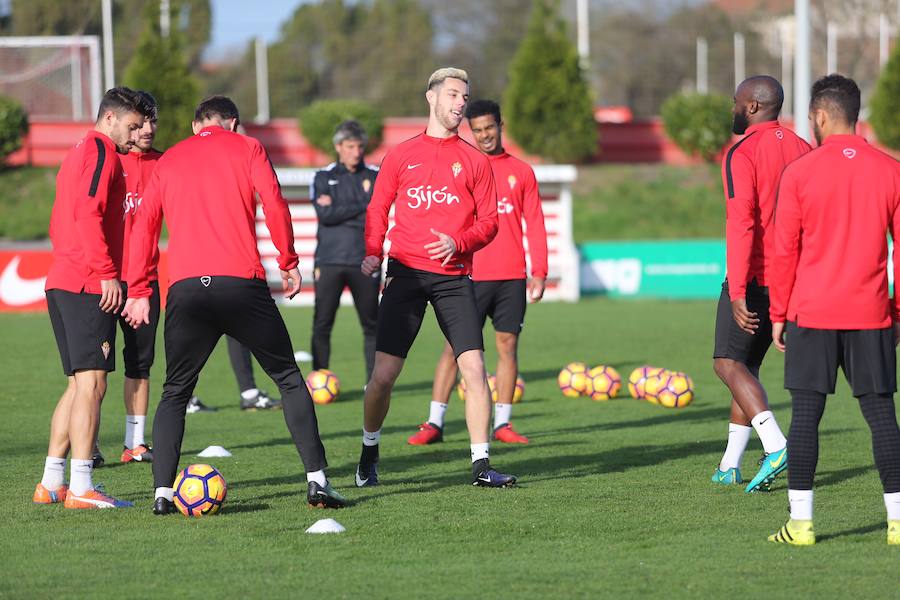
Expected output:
(84, 293)
(206, 186)
(750, 173)
(498, 271)
(829, 284)
(445, 204)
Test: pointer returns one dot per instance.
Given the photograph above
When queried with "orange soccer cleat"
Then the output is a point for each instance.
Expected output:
(141, 453)
(505, 433)
(428, 433)
(94, 499)
(44, 496)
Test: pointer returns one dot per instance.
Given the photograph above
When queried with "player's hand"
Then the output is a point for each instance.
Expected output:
(324, 200)
(110, 295)
(137, 312)
(290, 282)
(896, 332)
(746, 320)
(778, 335)
(443, 249)
(370, 265)
(535, 289)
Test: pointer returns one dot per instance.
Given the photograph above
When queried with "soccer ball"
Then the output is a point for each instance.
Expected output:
(653, 385)
(670, 389)
(519, 391)
(324, 386)
(603, 383)
(572, 379)
(638, 377)
(199, 490)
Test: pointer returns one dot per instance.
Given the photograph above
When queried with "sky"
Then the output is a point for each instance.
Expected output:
(235, 22)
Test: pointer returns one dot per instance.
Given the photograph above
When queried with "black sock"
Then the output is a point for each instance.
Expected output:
(480, 465)
(368, 456)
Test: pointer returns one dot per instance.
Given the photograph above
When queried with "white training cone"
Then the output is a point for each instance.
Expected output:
(215, 451)
(326, 526)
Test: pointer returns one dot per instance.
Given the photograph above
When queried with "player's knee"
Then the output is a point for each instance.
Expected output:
(724, 368)
(507, 346)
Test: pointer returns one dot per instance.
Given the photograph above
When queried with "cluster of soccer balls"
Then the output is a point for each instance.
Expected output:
(672, 389)
(324, 386)
(518, 392)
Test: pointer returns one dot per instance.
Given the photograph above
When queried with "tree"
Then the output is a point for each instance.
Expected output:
(159, 66)
(13, 126)
(700, 124)
(885, 104)
(319, 120)
(547, 105)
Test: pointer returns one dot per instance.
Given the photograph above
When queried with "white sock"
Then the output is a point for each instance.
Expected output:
(480, 451)
(738, 438)
(317, 476)
(134, 430)
(891, 502)
(436, 413)
(371, 438)
(165, 492)
(502, 414)
(250, 394)
(801, 504)
(768, 431)
(55, 473)
(80, 475)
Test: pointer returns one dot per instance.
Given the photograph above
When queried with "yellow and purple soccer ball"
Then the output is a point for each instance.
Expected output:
(638, 377)
(671, 389)
(199, 490)
(572, 379)
(324, 386)
(603, 383)
(519, 391)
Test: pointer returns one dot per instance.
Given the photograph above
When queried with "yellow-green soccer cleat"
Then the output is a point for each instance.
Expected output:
(893, 533)
(727, 477)
(796, 533)
(770, 466)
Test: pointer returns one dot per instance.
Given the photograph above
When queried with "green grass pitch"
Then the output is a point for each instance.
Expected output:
(615, 498)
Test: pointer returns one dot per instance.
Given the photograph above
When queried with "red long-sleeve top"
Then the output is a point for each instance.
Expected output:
(206, 187)
(750, 173)
(137, 167)
(443, 184)
(504, 257)
(836, 206)
(86, 227)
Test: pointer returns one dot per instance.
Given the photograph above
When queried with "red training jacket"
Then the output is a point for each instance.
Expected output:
(86, 223)
(750, 173)
(835, 208)
(206, 187)
(137, 167)
(504, 257)
(433, 183)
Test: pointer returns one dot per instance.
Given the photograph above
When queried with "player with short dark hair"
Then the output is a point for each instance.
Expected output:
(498, 270)
(750, 173)
(84, 293)
(830, 305)
(218, 284)
(340, 194)
(445, 204)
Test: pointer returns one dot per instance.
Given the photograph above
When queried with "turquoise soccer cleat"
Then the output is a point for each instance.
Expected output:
(728, 476)
(772, 464)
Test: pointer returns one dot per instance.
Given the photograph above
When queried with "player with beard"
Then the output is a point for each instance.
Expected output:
(750, 174)
(445, 203)
(84, 294)
(498, 270)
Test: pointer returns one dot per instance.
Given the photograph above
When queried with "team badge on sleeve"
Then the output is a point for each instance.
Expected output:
(456, 168)
(512, 182)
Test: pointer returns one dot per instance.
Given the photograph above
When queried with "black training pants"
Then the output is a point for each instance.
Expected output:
(241, 364)
(329, 284)
(198, 312)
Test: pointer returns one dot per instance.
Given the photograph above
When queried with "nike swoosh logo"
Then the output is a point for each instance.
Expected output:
(410, 167)
(762, 422)
(18, 291)
(723, 476)
(777, 463)
(359, 481)
(485, 479)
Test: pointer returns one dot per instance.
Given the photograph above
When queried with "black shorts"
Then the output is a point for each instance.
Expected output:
(867, 356)
(138, 349)
(504, 301)
(408, 291)
(85, 335)
(735, 343)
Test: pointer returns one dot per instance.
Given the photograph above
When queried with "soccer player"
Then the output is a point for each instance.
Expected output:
(498, 271)
(750, 174)
(829, 295)
(445, 203)
(84, 293)
(340, 194)
(218, 283)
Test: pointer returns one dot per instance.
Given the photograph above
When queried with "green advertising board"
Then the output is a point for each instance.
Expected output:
(685, 269)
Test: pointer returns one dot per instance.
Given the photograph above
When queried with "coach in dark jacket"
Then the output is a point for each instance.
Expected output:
(340, 194)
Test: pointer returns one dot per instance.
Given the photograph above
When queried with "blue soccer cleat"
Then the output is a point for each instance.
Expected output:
(491, 478)
(771, 465)
(727, 476)
(366, 476)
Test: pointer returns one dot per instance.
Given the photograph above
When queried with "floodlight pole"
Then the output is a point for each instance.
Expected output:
(582, 20)
(108, 65)
(884, 40)
(786, 80)
(164, 18)
(739, 59)
(831, 48)
(801, 69)
(702, 82)
(262, 81)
